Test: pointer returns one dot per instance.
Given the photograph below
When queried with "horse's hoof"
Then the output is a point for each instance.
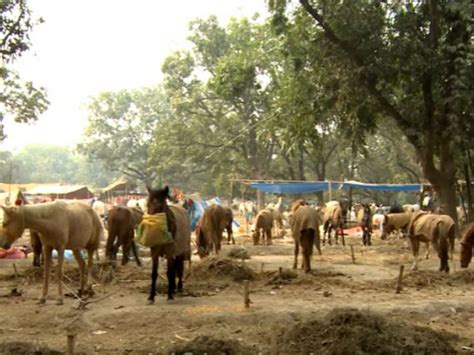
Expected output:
(414, 268)
(150, 302)
(170, 300)
(59, 302)
(42, 300)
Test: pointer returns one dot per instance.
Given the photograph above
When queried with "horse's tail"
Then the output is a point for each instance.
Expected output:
(445, 234)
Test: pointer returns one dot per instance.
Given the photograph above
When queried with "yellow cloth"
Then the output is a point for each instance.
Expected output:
(153, 231)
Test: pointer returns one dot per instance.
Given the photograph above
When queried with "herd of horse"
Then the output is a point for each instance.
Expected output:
(76, 226)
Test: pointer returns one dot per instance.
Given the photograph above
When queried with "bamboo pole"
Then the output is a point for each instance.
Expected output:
(246, 294)
(400, 277)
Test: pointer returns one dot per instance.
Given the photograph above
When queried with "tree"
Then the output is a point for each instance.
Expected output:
(120, 130)
(409, 59)
(19, 99)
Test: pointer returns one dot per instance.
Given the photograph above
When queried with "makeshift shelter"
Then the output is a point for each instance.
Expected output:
(64, 192)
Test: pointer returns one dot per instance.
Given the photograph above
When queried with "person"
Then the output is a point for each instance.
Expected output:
(19, 199)
(427, 202)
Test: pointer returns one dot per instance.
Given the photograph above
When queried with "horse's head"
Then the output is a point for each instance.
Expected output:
(13, 225)
(467, 243)
(156, 202)
(387, 228)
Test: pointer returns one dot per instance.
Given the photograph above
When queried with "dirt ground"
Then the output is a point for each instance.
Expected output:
(340, 307)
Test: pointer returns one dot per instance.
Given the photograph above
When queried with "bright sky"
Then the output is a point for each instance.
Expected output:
(88, 46)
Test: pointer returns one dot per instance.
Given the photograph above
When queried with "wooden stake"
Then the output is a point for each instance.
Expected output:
(71, 342)
(280, 270)
(15, 270)
(353, 255)
(400, 277)
(274, 344)
(261, 268)
(246, 294)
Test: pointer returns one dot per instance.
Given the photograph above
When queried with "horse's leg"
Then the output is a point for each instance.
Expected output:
(154, 275)
(37, 247)
(47, 265)
(171, 273)
(297, 250)
(110, 244)
(307, 241)
(341, 229)
(415, 245)
(135, 253)
(317, 242)
(269, 236)
(180, 271)
(59, 300)
(428, 250)
(82, 270)
(90, 266)
(127, 240)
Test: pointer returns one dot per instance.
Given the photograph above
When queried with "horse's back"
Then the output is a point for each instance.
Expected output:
(427, 225)
(304, 218)
(264, 219)
(182, 241)
(84, 228)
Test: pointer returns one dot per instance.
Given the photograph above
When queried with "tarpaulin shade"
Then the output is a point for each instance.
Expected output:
(306, 187)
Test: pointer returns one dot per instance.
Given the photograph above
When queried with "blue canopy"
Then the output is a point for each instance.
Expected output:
(306, 187)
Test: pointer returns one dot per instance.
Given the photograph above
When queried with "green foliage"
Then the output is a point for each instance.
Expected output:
(20, 99)
(120, 127)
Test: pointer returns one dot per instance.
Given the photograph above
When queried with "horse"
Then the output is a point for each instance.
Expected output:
(60, 226)
(264, 223)
(121, 226)
(467, 243)
(440, 230)
(334, 218)
(180, 227)
(304, 222)
(209, 233)
(229, 218)
(364, 221)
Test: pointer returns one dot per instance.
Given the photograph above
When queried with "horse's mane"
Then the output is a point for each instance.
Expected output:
(296, 204)
(468, 235)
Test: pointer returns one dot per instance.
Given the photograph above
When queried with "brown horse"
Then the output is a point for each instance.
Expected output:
(121, 226)
(399, 222)
(440, 230)
(60, 226)
(264, 224)
(333, 219)
(211, 226)
(229, 218)
(364, 221)
(467, 243)
(304, 222)
(176, 252)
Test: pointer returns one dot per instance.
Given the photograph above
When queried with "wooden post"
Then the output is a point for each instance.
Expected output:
(400, 277)
(353, 255)
(274, 344)
(71, 342)
(246, 294)
(15, 270)
(261, 267)
(280, 270)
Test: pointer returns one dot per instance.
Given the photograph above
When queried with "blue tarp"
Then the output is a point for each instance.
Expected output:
(306, 187)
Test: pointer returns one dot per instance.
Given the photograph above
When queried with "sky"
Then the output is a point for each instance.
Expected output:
(85, 47)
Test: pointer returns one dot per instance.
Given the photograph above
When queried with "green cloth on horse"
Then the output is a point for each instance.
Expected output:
(153, 231)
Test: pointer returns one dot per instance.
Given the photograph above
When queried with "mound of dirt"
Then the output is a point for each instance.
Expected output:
(238, 253)
(26, 348)
(208, 345)
(286, 277)
(349, 331)
(216, 267)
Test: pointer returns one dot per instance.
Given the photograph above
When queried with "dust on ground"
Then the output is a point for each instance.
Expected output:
(341, 306)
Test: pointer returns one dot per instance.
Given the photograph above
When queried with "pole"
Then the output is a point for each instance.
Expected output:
(400, 277)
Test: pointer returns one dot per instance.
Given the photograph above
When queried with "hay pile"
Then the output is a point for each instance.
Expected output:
(209, 345)
(349, 331)
(238, 253)
(26, 348)
(218, 268)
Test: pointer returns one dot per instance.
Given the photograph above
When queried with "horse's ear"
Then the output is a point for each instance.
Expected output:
(167, 190)
(148, 188)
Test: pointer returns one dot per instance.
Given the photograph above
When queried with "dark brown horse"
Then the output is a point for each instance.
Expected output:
(304, 222)
(364, 221)
(211, 226)
(180, 227)
(467, 243)
(121, 226)
(229, 217)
